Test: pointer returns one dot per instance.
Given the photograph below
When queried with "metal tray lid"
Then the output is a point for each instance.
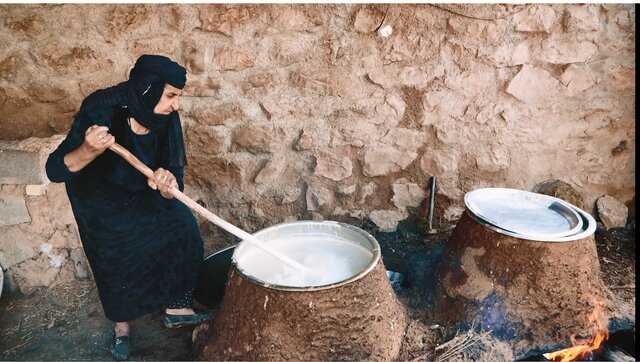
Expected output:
(588, 228)
(524, 213)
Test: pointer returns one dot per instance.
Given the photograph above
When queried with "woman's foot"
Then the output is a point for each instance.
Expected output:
(120, 345)
(175, 318)
(180, 311)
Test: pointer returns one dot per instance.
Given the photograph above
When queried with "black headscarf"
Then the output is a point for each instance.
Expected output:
(140, 94)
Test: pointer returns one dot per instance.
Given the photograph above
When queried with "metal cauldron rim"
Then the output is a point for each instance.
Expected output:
(375, 250)
(219, 251)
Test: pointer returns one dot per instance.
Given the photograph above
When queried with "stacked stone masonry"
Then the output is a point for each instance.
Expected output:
(39, 242)
(307, 112)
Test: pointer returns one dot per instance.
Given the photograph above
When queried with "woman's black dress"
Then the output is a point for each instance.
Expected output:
(144, 250)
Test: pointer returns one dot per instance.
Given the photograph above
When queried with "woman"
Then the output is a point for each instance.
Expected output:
(143, 246)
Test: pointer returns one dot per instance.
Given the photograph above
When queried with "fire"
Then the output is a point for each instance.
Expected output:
(582, 349)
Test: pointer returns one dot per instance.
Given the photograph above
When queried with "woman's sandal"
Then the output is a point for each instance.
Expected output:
(176, 320)
(120, 347)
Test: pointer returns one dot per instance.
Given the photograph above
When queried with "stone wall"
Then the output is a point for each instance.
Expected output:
(309, 111)
(39, 241)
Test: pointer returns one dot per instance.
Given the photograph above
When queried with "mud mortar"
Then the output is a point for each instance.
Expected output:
(362, 320)
(531, 294)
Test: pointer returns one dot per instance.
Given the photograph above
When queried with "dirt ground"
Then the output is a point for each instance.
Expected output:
(67, 322)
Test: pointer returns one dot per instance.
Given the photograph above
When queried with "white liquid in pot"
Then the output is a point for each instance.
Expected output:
(331, 258)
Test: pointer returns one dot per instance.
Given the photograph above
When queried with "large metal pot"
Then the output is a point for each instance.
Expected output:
(302, 230)
(215, 268)
(213, 277)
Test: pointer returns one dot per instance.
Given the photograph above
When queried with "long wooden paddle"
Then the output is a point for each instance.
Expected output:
(135, 162)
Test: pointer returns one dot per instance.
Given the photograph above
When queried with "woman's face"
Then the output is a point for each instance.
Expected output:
(169, 101)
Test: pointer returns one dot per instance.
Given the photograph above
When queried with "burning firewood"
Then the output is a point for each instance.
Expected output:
(585, 348)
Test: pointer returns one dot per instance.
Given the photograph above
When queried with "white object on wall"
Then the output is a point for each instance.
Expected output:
(385, 31)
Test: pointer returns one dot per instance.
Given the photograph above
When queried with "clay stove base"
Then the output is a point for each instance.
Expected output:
(530, 293)
(362, 320)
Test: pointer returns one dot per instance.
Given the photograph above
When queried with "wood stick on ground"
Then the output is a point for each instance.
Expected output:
(446, 344)
(428, 356)
(459, 343)
(623, 287)
(16, 347)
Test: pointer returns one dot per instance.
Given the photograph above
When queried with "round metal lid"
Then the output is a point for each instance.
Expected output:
(588, 228)
(524, 213)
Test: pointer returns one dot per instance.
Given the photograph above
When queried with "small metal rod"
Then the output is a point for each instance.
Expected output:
(432, 202)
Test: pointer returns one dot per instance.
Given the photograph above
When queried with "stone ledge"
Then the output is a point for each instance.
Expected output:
(23, 163)
(20, 167)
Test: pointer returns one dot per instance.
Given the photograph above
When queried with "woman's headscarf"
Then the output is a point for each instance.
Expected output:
(146, 84)
(140, 94)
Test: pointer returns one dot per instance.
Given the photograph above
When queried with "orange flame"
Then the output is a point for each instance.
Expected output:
(582, 350)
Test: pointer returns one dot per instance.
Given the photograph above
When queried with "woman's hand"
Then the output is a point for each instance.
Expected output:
(97, 139)
(163, 180)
